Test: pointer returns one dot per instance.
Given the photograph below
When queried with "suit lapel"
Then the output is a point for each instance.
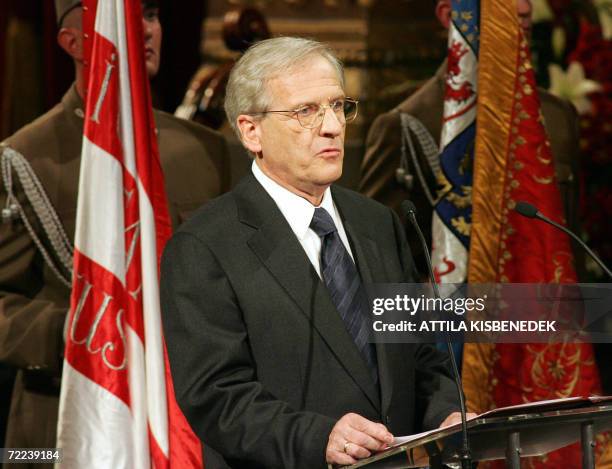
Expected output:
(276, 246)
(372, 270)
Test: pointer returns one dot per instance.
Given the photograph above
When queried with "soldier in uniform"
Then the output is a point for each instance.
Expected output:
(38, 198)
(402, 145)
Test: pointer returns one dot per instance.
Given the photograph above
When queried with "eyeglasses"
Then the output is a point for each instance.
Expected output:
(310, 116)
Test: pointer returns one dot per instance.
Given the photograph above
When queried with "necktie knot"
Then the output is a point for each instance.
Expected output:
(322, 223)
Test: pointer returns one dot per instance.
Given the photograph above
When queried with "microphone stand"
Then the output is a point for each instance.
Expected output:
(530, 211)
(465, 456)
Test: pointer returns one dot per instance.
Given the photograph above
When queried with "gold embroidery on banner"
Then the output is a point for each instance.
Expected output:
(523, 115)
(540, 158)
(562, 260)
(459, 201)
(543, 180)
(565, 366)
(444, 185)
(461, 225)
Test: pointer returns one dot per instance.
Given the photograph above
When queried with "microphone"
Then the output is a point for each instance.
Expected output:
(530, 211)
(465, 455)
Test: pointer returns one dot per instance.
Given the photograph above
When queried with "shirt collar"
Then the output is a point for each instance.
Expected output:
(297, 211)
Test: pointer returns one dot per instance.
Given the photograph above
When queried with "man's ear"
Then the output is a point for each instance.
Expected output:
(443, 12)
(250, 132)
(71, 40)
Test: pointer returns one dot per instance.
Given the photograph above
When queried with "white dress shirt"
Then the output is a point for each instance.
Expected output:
(299, 212)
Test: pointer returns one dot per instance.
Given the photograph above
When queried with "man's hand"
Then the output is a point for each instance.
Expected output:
(455, 417)
(355, 437)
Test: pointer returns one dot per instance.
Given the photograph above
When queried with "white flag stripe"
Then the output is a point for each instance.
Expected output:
(105, 20)
(447, 247)
(88, 437)
(125, 95)
(110, 20)
(156, 378)
(100, 210)
(139, 432)
(469, 65)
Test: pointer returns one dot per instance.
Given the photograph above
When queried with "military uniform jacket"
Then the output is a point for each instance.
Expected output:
(33, 302)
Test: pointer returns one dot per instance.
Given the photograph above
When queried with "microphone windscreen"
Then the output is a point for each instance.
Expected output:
(526, 209)
(408, 207)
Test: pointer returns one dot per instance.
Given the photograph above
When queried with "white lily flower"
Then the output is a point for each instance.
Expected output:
(604, 10)
(572, 85)
(541, 11)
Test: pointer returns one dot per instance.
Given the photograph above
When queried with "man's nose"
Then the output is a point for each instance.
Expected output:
(331, 124)
(146, 29)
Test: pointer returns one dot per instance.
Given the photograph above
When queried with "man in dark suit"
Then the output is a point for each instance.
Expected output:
(263, 309)
(34, 300)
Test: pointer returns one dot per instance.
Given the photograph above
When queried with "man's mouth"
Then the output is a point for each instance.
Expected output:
(329, 152)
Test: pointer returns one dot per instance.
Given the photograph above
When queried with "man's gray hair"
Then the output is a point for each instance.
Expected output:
(246, 88)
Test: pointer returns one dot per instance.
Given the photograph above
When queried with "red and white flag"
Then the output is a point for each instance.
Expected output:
(117, 407)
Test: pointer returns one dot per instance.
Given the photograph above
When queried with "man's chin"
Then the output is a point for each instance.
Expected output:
(152, 68)
(331, 176)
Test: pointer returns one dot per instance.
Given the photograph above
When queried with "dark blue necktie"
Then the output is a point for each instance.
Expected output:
(342, 281)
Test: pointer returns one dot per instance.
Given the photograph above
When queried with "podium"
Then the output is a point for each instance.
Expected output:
(508, 433)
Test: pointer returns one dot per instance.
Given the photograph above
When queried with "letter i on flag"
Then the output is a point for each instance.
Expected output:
(117, 406)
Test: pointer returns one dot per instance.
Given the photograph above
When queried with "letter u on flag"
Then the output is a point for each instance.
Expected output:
(117, 405)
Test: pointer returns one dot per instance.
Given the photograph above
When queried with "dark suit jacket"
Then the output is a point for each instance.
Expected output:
(263, 366)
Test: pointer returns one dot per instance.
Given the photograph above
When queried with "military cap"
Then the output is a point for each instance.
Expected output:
(63, 7)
